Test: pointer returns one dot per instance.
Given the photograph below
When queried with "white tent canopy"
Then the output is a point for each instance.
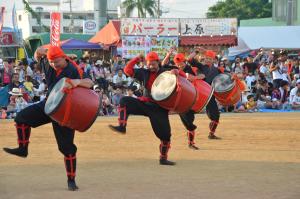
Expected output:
(271, 37)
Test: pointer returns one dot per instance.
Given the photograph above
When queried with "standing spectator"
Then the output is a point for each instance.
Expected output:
(296, 66)
(7, 72)
(250, 66)
(117, 65)
(276, 73)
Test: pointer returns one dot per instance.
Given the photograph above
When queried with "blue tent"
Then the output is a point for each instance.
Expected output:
(76, 44)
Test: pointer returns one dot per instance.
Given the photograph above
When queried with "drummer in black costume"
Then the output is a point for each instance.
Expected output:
(195, 69)
(56, 66)
(145, 105)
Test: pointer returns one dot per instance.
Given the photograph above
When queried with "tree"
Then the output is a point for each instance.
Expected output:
(28, 9)
(241, 9)
(143, 7)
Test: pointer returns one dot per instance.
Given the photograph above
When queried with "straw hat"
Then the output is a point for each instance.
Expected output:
(99, 62)
(16, 92)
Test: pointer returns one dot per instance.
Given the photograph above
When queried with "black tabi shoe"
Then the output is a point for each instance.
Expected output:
(193, 146)
(118, 129)
(213, 137)
(166, 162)
(21, 151)
(72, 185)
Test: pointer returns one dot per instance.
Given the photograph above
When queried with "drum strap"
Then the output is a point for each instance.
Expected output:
(68, 106)
(179, 91)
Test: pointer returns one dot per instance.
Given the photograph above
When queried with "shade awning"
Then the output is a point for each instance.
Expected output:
(272, 37)
(109, 35)
(225, 40)
(72, 44)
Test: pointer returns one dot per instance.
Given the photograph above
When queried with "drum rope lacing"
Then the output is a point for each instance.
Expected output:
(67, 91)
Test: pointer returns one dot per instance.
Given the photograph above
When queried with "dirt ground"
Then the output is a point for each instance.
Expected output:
(258, 157)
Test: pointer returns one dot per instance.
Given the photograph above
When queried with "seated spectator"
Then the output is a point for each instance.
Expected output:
(28, 85)
(280, 96)
(17, 102)
(276, 74)
(262, 95)
(250, 80)
(294, 90)
(119, 79)
(130, 91)
(107, 106)
(3, 114)
(40, 91)
(294, 81)
(117, 97)
(238, 69)
(296, 101)
(15, 83)
(99, 74)
(251, 105)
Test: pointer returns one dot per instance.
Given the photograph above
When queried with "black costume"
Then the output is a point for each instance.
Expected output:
(34, 116)
(147, 107)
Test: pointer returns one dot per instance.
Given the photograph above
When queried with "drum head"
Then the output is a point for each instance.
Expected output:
(223, 83)
(163, 86)
(55, 97)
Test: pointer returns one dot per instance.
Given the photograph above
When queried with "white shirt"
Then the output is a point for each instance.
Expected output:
(29, 71)
(293, 94)
(263, 69)
(296, 100)
(249, 80)
(117, 79)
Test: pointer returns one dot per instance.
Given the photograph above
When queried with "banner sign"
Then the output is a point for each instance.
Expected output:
(55, 29)
(194, 27)
(161, 45)
(132, 46)
(150, 27)
(90, 27)
(6, 39)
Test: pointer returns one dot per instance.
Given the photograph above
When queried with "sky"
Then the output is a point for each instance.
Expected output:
(173, 8)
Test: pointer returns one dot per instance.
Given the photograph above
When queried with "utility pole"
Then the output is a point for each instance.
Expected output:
(71, 15)
(289, 13)
(158, 8)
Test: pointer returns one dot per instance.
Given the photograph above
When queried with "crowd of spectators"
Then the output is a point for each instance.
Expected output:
(272, 82)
